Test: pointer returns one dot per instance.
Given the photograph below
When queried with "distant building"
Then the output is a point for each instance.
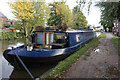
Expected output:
(98, 28)
(3, 19)
(8, 22)
(11, 29)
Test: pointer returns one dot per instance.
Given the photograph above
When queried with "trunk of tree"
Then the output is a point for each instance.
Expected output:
(25, 31)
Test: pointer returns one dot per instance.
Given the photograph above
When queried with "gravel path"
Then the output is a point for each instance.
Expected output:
(102, 62)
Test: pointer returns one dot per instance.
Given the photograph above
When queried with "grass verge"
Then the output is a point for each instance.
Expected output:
(116, 41)
(62, 66)
(102, 36)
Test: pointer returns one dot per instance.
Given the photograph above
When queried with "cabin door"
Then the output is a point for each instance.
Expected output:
(48, 39)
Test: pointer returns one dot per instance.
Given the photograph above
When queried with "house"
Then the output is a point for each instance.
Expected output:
(12, 29)
(8, 21)
(3, 19)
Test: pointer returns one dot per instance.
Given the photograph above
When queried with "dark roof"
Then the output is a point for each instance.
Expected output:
(50, 31)
(2, 15)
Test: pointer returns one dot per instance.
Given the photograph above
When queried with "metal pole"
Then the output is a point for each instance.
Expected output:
(24, 66)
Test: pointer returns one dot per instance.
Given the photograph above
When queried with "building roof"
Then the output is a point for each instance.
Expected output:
(2, 15)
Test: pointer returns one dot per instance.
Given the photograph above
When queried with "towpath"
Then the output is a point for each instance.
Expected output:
(102, 62)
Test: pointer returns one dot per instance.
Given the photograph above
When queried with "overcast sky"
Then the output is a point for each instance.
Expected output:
(93, 18)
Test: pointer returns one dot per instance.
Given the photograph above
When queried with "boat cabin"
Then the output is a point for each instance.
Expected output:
(49, 39)
(58, 40)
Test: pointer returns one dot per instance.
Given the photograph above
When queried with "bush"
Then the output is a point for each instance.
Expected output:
(8, 25)
(10, 35)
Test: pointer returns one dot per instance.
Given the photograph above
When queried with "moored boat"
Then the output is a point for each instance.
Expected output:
(49, 46)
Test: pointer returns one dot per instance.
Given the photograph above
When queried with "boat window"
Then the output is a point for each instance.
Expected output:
(77, 38)
(39, 38)
(46, 38)
(59, 38)
(51, 37)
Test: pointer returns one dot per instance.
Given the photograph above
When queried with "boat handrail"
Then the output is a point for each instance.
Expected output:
(57, 44)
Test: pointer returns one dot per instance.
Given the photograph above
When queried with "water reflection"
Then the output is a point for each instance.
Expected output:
(8, 71)
(36, 70)
(5, 66)
(16, 45)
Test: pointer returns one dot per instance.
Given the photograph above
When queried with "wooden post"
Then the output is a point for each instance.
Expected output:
(25, 31)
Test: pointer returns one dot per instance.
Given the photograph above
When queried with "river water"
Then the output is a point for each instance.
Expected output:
(8, 71)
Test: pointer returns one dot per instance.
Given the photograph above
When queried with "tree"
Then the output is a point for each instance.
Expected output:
(19, 25)
(79, 20)
(84, 4)
(32, 14)
(40, 15)
(110, 13)
(8, 25)
(42, 12)
(23, 11)
(64, 13)
(60, 14)
(54, 19)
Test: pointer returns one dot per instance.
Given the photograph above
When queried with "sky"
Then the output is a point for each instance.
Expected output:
(93, 18)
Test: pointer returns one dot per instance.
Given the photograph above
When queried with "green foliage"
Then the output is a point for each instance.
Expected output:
(110, 13)
(60, 14)
(1, 26)
(116, 41)
(79, 20)
(41, 14)
(31, 13)
(10, 35)
(8, 25)
(18, 25)
(102, 36)
(54, 19)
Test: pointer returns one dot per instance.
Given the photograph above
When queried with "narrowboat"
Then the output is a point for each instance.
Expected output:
(49, 46)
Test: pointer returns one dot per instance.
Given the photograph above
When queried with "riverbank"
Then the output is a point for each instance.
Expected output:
(63, 66)
(10, 35)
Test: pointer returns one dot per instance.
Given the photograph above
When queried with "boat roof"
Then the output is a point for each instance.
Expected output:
(51, 31)
(74, 31)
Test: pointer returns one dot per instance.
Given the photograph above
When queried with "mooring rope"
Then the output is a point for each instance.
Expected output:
(24, 66)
